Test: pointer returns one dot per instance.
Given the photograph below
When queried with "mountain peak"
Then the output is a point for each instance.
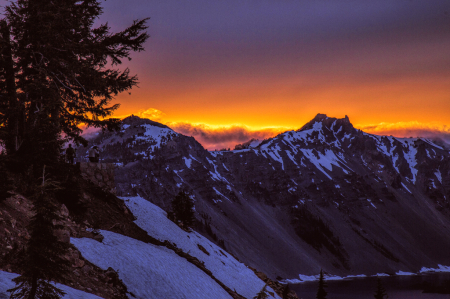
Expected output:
(327, 121)
(134, 120)
(319, 117)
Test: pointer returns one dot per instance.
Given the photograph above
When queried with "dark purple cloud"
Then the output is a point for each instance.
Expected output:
(215, 41)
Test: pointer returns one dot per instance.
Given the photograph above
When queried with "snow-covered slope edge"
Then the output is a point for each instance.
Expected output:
(151, 271)
(224, 267)
(7, 283)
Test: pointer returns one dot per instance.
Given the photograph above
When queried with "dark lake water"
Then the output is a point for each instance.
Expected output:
(397, 287)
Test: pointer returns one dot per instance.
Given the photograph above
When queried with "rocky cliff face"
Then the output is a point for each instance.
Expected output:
(326, 196)
(100, 174)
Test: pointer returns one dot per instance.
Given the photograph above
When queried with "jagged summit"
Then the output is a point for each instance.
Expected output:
(134, 120)
(329, 122)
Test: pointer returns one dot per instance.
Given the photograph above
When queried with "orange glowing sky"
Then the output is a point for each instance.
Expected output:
(276, 64)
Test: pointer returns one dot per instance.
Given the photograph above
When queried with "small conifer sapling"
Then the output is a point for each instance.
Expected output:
(183, 209)
(380, 293)
(42, 261)
(286, 292)
(262, 294)
(321, 293)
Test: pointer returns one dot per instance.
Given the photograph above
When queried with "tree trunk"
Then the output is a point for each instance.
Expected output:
(33, 290)
(13, 142)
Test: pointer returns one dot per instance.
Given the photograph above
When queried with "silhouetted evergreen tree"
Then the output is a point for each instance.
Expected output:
(6, 183)
(380, 293)
(54, 70)
(42, 261)
(183, 209)
(262, 294)
(321, 293)
(286, 292)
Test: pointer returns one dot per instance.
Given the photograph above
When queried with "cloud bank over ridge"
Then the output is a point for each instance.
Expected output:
(223, 137)
(220, 137)
(410, 129)
(228, 136)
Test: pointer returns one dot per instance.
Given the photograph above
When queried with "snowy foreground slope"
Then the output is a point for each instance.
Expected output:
(224, 267)
(151, 271)
(7, 283)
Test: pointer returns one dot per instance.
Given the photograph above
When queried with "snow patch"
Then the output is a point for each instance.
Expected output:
(188, 162)
(218, 193)
(327, 161)
(406, 188)
(274, 154)
(402, 273)
(254, 143)
(291, 157)
(440, 268)
(432, 143)
(438, 175)
(308, 277)
(411, 159)
(193, 157)
(371, 203)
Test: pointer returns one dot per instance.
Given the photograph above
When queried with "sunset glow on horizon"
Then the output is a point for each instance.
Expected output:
(266, 64)
(216, 137)
(246, 67)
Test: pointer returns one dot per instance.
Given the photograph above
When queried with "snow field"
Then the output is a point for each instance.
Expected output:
(149, 271)
(224, 267)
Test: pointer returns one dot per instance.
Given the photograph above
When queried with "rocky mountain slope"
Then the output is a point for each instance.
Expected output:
(326, 196)
(126, 247)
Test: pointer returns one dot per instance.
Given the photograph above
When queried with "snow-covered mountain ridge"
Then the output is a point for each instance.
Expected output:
(327, 195)
(325, 142)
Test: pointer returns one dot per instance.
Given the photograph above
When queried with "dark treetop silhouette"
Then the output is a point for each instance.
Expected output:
(54, 76)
